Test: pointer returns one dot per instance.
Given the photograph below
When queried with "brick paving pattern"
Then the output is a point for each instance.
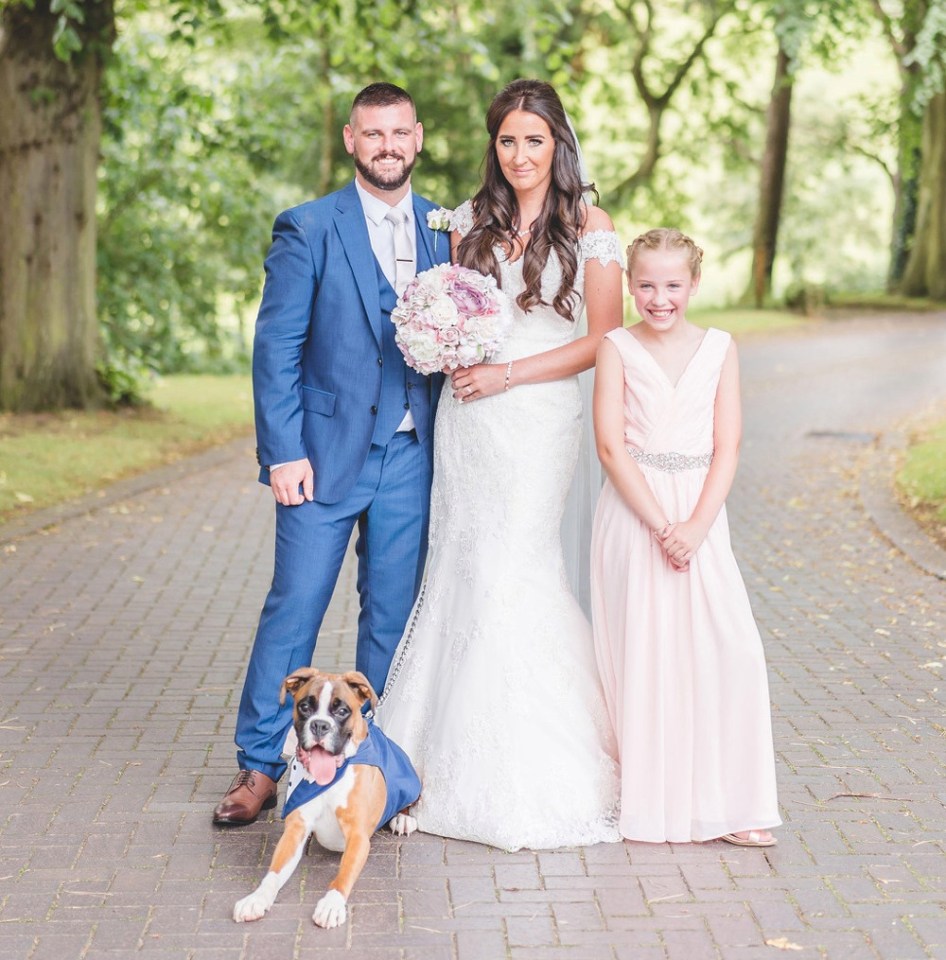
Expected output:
(124, 632)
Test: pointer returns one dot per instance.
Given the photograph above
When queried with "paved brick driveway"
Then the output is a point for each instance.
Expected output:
(124, 631)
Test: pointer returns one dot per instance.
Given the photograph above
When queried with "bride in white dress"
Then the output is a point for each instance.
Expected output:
(493, 691)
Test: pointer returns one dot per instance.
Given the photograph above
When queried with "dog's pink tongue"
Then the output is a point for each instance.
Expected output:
(320, 764)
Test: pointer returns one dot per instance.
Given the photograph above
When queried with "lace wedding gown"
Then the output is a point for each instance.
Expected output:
(493, 691)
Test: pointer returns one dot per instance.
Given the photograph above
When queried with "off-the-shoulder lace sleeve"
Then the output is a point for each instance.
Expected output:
(602, 245)
(462, 218)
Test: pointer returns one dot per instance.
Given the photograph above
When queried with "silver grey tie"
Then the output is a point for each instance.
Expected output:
(403, 250)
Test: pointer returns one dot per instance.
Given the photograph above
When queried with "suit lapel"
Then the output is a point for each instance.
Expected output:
(353, 233)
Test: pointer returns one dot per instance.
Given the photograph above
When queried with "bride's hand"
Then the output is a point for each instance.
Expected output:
(482, 380)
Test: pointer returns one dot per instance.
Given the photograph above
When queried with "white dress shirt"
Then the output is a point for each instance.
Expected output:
(379, 230)
(382, 244)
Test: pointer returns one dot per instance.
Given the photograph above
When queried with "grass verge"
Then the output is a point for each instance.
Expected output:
(921, 481)
(52, 458)
(739, 321)
(882, 302)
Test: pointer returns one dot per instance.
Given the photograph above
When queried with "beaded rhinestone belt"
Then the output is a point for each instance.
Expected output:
(670, 462)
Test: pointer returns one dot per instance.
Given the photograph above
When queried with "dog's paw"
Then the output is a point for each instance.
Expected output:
(403, 825)
(253, 907)
(330, 911)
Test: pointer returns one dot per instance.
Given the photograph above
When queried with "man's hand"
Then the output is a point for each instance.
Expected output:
(286, 479)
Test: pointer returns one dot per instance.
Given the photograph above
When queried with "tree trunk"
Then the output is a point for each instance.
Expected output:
(901, 32)
(903, 225)
(925, 272)
(771, 180)
(907, 177)
(50, 128)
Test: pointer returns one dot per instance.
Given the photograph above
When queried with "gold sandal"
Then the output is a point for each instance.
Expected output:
(754, 839)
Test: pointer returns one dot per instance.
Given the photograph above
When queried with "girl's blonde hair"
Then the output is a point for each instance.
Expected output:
(665, 238)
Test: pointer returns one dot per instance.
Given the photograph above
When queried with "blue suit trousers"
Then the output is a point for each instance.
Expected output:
(390, 505)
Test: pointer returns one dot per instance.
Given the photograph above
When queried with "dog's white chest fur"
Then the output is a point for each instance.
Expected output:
(319, 812)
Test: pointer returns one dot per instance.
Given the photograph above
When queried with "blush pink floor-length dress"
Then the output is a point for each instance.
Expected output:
(679, 653)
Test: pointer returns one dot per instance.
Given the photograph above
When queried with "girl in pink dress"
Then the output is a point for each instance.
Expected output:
(678, 649)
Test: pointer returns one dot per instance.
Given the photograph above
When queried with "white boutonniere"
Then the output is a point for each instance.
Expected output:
(441, 221)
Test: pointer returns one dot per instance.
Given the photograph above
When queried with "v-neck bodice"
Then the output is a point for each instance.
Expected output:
(656, 362)
(663, 417)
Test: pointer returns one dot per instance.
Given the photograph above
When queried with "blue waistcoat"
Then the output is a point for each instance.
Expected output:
(376, 750)
(393, 403)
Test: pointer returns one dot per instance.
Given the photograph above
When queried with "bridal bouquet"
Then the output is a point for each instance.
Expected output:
(448, 317)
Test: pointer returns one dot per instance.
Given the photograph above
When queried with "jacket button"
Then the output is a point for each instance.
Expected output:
(374, 409)
(410, 386)
(380, 362)
(407, 406)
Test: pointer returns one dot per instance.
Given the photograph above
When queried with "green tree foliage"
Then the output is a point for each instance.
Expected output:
(181, 217)
(206, 140)
(915, 31)
(217, 113)
(671, 100)
(453, 57)
(803, 30)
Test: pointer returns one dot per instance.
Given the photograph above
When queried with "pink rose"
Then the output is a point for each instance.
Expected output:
(468, 298)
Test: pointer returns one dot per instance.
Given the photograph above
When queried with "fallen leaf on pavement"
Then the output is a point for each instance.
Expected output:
(783, 943)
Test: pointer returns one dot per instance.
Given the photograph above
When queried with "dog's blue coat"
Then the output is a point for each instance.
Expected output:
(376, 750)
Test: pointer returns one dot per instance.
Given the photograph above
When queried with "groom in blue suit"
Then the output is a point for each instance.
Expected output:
(344, 427)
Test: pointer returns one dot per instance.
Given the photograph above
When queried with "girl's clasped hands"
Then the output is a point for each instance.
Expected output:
(679, 541)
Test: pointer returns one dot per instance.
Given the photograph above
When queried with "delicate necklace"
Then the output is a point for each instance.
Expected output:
(523, 233)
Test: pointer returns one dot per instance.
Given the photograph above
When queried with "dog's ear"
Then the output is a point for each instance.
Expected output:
(295, 680)
(359, 683)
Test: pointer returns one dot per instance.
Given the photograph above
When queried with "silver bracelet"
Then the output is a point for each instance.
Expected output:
(657, 534)
(508, 375)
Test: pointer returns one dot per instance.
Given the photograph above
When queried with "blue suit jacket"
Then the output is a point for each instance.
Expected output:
(317, 349)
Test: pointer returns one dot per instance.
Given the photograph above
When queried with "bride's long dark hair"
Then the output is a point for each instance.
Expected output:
(496, 212)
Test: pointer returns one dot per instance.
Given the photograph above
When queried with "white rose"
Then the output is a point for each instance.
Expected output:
(468, 354)
(424, 355)
(442, 313)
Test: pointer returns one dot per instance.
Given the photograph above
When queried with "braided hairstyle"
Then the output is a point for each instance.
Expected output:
(665, 238)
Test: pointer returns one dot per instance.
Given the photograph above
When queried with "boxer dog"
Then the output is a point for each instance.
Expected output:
(346, 781)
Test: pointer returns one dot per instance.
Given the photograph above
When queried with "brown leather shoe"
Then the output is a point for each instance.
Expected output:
(250, 793)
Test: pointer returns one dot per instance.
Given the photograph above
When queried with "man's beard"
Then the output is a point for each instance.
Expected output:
(392, 181)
